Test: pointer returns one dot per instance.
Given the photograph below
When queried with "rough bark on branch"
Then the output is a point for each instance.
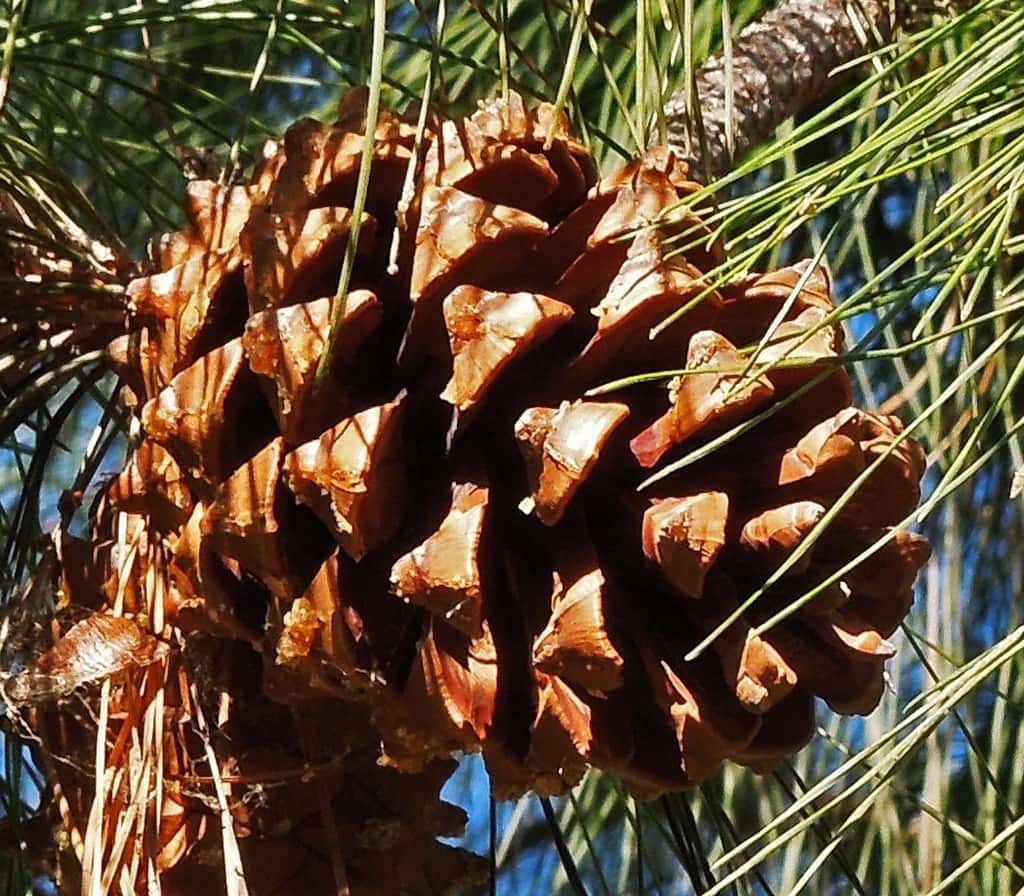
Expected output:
(780, 64)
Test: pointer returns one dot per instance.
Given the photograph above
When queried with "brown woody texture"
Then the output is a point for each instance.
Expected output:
(779, 66)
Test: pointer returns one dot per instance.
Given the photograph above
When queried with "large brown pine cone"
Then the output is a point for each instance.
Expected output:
(442, 546)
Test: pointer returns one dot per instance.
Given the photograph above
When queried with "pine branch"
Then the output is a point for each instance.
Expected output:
(781, 64)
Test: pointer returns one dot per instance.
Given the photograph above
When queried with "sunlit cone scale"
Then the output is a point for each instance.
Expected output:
(361, 540)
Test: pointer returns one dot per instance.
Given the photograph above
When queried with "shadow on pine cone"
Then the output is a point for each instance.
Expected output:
(442, 547)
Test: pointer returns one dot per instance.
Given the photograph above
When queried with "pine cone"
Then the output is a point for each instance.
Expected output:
(442, 542)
